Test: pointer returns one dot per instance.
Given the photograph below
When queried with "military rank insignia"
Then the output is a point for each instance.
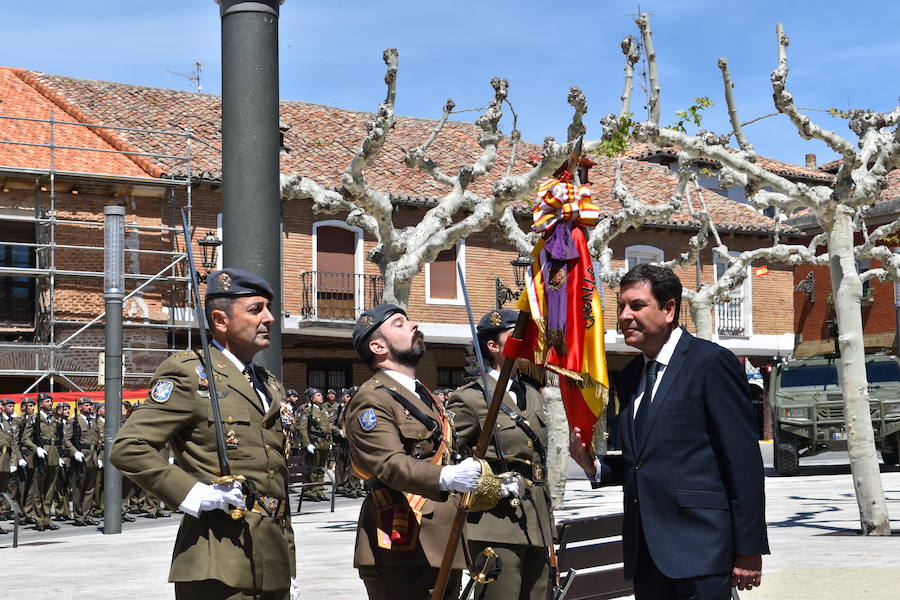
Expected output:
(161, 391)
(231, 440)
(225, 281)
(366, 320)
(495, 319)
(367, 420)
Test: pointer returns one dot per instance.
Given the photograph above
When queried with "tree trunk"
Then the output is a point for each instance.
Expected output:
(557, 442)
(847, 289)
(395, 292)
(701, 314)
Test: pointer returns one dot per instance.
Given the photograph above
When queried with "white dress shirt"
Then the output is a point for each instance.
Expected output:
(240, 367)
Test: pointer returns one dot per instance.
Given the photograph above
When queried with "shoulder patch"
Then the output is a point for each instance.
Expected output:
(162, 390)
(367, 420)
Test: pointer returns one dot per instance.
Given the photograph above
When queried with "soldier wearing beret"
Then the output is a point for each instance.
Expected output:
(314, 429)
(9, 447)
(25, 473)
(518, 529)
(83, 442)
(216, 556)
(399, 440)
(347, 481)
(41, 437)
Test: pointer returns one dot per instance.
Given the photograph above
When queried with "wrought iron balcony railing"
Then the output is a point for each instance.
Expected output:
(338, 296)
(731, 317)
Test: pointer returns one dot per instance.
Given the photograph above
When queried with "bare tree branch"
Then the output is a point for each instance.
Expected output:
(744, 145)
(643, 23)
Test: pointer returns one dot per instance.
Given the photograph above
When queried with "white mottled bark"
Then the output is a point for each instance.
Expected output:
(557, 441)
(402, 253)
(840, 210)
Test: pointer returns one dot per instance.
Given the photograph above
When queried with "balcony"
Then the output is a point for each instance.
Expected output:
(731, 317)
(327, 296)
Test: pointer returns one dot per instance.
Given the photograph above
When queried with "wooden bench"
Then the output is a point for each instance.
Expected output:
(298, 477)
(589, 555)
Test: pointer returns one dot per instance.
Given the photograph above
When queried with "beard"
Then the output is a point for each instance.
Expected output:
(412, 355)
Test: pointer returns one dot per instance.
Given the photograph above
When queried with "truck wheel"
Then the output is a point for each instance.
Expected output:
(787, 459)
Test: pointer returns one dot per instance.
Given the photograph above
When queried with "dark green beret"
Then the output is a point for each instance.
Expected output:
(370, 320)
(84, 400)
(28, 401)
(293, 392)
(41, 397)
(8, 401)
(498, 320)
(231, 283)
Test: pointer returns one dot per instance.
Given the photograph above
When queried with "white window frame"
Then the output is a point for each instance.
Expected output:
(656, 255)
(358, 290)
(746, 296)
(461, 262)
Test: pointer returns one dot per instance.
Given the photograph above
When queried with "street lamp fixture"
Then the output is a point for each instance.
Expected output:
(209, 246)
(502, 293)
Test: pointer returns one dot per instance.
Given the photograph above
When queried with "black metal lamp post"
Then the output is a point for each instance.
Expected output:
(502, 293)
(209, 246)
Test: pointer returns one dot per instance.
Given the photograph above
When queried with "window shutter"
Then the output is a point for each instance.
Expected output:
(443, 275)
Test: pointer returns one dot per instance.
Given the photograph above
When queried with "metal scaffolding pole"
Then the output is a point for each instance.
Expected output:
(251, 193)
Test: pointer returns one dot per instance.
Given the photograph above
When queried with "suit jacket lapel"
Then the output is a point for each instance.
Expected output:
(668, 378)
(234, 378)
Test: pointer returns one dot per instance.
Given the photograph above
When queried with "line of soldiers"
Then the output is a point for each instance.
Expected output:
(51, 464)
(317, 435)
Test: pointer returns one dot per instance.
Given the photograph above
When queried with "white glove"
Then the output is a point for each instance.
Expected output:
(79, 456)
(462, 477)
(62, 462)
(222, 495)
(23, 463)
(295, 589)
(311, 449)
(510, 488)
(41, 453)
(171, 460)
(99, 463)
(13, 467)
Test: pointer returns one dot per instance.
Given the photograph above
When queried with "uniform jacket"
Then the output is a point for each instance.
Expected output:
(386, 448)
(38, 429)
(531, 523)
(255, 552)
(9, 445)
(696, 482)
(84, 436)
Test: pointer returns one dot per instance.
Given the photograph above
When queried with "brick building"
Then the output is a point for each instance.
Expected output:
(54, 199)
(815, 318)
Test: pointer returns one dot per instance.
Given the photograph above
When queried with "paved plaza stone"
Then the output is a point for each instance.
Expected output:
(817, 552)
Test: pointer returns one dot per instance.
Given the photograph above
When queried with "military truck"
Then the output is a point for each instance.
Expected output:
(808, 409)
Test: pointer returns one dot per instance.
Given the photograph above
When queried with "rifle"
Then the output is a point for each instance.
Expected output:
(484, 437)
(225, 475)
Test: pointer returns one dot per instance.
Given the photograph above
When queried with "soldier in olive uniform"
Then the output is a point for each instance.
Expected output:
(519, 530)
(62, 484)
(25, 474)
(399, 444)
(100, 419)
(83, 442)
(42, 437)
(347, 481)
(216, 556)
(314, 428)
(9, 448)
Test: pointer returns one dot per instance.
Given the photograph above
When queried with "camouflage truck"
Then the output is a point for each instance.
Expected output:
(808, 409)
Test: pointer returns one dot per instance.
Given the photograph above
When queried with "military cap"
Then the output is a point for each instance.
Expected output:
(345, 391)
(126, 403)
(293, 392)
(232, 283)
(498, 320)
(370, 320)
(28, 401)
(7, 401)
(42, 396)
(313, 391)
(84, 400)
(331, 391)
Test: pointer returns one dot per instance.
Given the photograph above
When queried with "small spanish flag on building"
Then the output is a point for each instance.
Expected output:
(760, 271)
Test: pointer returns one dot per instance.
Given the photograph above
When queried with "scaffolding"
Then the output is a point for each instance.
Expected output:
(48, 343)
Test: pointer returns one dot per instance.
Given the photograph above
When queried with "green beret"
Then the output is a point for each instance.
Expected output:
(370, 320)
(497, 320)
(231, 283)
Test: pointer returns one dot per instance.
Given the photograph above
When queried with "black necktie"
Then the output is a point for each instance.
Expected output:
(640, 418)
(518, 390)
(424, 395)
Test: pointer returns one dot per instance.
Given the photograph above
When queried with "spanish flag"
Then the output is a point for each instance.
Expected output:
(565, 334)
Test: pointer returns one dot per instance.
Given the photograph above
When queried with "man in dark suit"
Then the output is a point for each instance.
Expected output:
(690, 463)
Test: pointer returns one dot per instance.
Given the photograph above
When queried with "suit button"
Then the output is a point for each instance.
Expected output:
(271, 474)
(635, 501)
(637, 467)
(230, 419)
(529, 443)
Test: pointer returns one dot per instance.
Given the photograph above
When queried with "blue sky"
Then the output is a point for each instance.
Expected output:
(331, 54)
